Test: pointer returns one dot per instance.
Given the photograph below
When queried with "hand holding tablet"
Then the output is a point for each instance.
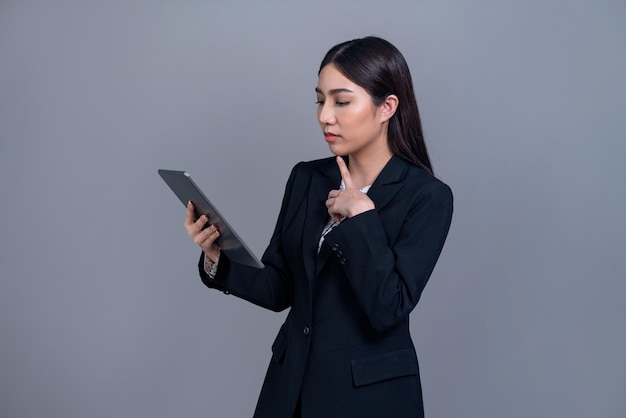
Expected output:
(224, 235)
(203, 233)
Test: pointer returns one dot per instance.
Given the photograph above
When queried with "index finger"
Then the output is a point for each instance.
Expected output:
(191, 217)
(345, 173)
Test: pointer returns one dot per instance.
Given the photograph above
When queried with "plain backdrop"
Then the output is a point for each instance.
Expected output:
(102, 313)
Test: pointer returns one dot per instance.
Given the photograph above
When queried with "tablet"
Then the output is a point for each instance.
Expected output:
(184, 187)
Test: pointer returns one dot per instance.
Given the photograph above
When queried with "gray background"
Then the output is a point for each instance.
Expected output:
(101, 310)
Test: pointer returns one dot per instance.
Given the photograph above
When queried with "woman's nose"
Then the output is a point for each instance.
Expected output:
(326, 115)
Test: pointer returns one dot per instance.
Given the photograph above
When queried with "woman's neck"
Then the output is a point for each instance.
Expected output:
(365, 168)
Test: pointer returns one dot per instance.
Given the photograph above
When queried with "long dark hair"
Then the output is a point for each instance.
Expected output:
(377, 66)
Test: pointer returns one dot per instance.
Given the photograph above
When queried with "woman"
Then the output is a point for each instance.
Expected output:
(356, 240)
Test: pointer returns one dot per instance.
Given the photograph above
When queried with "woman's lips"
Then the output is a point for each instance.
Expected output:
(330, 137)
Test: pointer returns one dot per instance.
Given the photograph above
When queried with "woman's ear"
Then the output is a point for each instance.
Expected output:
(388, 108)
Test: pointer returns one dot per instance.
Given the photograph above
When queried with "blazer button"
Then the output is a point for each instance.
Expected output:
(335, 247)
(342, 261)
(306, 330)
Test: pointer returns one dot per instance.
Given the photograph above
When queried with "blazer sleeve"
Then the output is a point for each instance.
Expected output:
(388, 279)
(270, 287)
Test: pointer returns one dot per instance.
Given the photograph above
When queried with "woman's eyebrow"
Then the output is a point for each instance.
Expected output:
(334, 91)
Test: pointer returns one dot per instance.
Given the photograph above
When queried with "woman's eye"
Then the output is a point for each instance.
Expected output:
(319, 102)
(340, 103)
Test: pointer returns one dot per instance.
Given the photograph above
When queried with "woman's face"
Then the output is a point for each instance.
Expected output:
(352, 125)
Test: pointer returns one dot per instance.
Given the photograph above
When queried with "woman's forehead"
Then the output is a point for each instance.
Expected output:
(332, 81)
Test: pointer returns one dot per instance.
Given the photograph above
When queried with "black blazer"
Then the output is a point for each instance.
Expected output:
(345, 349)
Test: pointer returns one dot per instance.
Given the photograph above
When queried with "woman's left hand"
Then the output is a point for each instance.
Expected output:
(349, 202)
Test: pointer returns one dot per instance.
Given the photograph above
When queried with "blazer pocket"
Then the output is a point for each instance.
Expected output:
(279, 346)
(385, 366)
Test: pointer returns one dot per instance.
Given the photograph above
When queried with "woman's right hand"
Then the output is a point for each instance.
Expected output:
(205, 238)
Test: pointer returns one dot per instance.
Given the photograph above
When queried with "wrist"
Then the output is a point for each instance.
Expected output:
(366, 206)
(213, 254)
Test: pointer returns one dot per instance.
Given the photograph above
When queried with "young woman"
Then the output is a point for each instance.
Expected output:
(356, 240)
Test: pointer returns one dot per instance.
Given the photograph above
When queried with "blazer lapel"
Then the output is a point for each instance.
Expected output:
(317, 216)
(388, 183)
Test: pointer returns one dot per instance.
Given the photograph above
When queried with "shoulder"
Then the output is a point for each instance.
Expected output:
(315, 165)
(420, 176)
(304, 169)
(413, 177)
(425, 186)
